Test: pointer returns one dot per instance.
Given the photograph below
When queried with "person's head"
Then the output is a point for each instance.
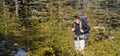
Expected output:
(77, 19)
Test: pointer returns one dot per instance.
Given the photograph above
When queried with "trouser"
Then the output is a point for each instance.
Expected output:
(80, 43)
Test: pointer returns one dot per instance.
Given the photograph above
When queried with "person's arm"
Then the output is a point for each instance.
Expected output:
(73, 29)
(81, 30)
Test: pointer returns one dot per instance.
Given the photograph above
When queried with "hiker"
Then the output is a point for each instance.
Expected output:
(80, 29)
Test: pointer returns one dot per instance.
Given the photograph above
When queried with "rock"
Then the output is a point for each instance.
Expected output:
(15, 44)
(20, 52)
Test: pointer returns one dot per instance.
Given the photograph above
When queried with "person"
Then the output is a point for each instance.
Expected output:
(79, 28)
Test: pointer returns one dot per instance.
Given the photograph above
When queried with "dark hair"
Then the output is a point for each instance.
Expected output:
(76, 17)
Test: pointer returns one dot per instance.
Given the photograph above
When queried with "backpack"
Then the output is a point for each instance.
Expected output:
(83, 19)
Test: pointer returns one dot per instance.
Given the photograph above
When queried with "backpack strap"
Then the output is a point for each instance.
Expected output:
(80, 25)
(74, 25)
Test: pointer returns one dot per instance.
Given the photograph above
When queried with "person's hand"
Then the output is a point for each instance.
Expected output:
(81, 30)
(73, 29)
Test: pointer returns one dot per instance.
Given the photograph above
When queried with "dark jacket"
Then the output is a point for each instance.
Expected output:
(85, 28)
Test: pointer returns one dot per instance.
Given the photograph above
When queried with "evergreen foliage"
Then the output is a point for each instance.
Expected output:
(43, 27)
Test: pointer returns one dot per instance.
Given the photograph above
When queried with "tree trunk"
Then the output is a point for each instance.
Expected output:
(16, 9)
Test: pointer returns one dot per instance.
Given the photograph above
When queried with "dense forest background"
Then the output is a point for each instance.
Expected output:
(43, 27)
